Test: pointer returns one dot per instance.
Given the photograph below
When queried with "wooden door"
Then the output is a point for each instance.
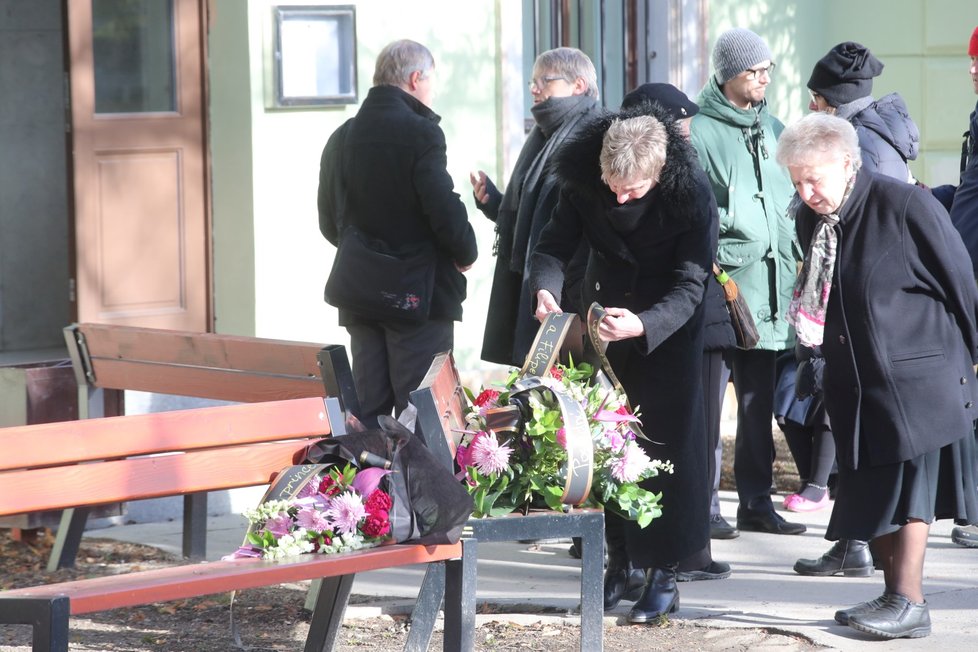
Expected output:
(137, 105)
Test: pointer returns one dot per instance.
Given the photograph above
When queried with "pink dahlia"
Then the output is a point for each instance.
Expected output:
(630, 465)
(345, 512)
(312, 519)
(489, 456)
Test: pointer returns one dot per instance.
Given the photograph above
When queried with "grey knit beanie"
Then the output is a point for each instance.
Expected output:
(737, 50)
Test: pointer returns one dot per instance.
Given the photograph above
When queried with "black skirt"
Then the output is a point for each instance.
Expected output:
(878, 500)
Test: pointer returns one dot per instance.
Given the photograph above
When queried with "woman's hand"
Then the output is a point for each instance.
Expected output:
(620, 324)
(546, 304)
(479, 184)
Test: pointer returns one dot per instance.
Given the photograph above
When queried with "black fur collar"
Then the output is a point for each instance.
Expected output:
(577, 168)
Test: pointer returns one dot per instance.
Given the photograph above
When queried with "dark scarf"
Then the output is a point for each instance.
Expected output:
(626, 217)
(555, 119)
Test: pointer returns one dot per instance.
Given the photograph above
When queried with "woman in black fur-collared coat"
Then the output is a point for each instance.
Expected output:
(631, 188)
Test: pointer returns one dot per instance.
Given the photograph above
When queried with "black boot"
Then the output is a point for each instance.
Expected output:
(661, 596)
(621, 580)
(850, 557)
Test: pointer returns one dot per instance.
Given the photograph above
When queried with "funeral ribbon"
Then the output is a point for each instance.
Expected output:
(606, 376)
(560, 332)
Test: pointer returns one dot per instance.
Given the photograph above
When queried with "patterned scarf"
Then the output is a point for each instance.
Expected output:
(810, 298)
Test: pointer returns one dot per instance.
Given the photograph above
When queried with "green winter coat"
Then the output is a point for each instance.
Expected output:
(757, 242)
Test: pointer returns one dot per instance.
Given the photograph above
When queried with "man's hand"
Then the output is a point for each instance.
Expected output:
(620, 324)
(479, 186)
(546, 304)
(461, 268)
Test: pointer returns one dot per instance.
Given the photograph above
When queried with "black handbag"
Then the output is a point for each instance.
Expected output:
(372, 281)
(740, 316)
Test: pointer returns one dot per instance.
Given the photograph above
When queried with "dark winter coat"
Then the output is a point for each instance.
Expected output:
(392, 171)
(900, 336)
(658, 271)
(964, 201)
(511, 326)
(888, 137)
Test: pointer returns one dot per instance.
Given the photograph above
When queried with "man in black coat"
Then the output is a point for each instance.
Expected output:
(385, 173)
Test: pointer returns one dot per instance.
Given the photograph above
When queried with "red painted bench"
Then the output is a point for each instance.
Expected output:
(112, 459)
(110, 359)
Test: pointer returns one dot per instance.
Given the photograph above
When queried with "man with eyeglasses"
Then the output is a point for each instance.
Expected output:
(736, 139)
(564, 87)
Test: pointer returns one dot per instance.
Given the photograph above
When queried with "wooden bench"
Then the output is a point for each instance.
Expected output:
(441, 403)
(111, 459)
(111, 359)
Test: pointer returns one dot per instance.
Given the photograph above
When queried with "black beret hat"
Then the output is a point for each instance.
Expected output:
(845, 73)
(673, 100)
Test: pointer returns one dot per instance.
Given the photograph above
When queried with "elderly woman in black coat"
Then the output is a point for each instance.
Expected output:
(886, 290)
(630, 188)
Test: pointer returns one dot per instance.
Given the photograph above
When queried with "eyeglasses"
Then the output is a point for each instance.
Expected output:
(754, 73)
(815, 96)
(542, 82)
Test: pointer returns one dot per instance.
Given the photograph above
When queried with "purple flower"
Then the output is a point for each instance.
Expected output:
(309, 489)
(312, 519)
(630, 465)
(615, 439)
(345, 512)
(244, 552)
(279, 525)
(489, 455)
(367, 480)
(561, 437)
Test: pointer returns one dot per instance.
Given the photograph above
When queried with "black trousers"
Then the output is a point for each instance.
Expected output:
(391, 359)
(754, 379)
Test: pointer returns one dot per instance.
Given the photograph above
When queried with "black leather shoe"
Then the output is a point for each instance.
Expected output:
(842, 615)
(623, 584)
(849, 557)
(897, 618)
(661, 597)
(720, 529)
(766, 520)
(715, 570)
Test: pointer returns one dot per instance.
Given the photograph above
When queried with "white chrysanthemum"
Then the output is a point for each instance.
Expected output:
(631, 465)
(290, 545)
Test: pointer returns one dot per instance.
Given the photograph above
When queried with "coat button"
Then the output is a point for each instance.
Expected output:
(597, 286)
(842, 339)
(969, 405)
(964, 381)
(855, 389)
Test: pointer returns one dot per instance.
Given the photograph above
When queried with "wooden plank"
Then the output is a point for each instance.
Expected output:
(200, 349)
(138, 478)
(180, 582)
(95, 439)
(205, 382)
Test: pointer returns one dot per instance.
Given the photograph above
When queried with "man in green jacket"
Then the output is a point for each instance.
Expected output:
(736, 138)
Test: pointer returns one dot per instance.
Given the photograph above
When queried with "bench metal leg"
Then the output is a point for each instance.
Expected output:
(47, 617)
(425, 611)
(334, 593)
(195, 526)
(69, 538)
(592, 582)
(460, 588)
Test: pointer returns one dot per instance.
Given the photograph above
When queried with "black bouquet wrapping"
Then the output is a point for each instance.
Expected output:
(430, 505)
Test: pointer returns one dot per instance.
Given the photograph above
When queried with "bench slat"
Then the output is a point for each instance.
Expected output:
(200, 349)
(111, 481)
(205, 382)
(179, 582)
(95, 439)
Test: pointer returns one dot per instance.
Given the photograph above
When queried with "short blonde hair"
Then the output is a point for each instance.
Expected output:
(634, 148)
